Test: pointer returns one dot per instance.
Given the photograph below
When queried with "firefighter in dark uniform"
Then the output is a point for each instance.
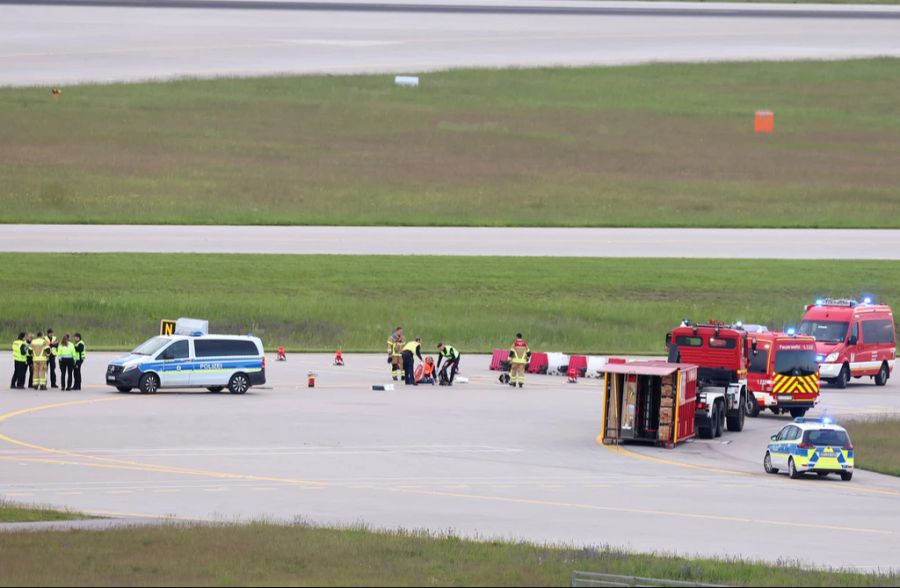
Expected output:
(51, 363)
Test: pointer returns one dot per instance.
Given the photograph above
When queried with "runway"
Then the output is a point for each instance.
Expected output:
(525, 242)
(57, 42)
(479, 459)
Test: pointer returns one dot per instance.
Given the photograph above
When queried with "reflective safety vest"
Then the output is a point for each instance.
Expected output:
(450, 352)
(39, 349)
(519, 353)
(53, 341)
(80, 352)
(395, 345)
(412, 346)
(66, 351)
(19, 354)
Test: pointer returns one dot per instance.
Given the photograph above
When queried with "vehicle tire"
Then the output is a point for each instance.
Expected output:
(792, 471)
(752, 406)
(215, 388)
(736, 423)
(767, 464)
(123, 389)
(798, 412)
(883, 374)
(149, 384)
(822, 474)
(843, 378)
(846, 476)
(706, 432)
(719, 420)
(239, 383)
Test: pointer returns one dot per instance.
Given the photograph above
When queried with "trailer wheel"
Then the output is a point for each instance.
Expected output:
(736, 422)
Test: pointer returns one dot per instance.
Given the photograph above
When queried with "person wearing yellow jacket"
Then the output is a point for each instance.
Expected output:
(519, 354)
(40, 352)
(395, 353)
(20, 362)
(66, 353)
(411, 349)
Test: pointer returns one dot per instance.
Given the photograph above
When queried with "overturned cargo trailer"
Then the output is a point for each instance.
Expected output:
(648, 401)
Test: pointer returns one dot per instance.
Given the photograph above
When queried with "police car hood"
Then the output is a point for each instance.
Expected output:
(127, 358)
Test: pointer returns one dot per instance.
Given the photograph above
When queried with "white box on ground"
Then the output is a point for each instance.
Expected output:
(191, 327)
(411, 81)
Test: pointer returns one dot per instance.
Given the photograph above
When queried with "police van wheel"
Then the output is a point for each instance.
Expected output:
(767, 464)
(149, 384)
(792, 470)
(843, 378)
(846, 476)
(882, 377)
(123, 389)
(216, 388)
(239, 384)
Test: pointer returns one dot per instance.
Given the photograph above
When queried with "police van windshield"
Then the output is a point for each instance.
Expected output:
(796, 363)
(826, 437)
(151, 346)
(825, 331)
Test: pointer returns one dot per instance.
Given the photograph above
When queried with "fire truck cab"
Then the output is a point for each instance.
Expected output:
(720, 352)
(853, 339)
(783, 375)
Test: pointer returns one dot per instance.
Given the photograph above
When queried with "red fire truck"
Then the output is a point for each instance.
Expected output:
(853, 339)
(783, 375)
(720, 352)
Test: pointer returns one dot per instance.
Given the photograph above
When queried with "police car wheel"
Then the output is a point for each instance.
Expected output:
(882, 377)
(123, 389)
(846, 476)
(767, 464)
(215, 388)
(149, 383)
(238, 384)
(792, 471)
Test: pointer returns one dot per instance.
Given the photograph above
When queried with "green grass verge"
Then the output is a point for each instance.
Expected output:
(650, 145)
(262, 554)
(877, 443)
(16, 513)
(476, 303)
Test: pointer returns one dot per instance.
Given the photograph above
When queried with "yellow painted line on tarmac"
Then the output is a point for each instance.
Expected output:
(97, 461)
(640, 511)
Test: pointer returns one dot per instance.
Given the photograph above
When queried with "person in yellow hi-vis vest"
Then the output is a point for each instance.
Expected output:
(20, 362)
(395, 353)
(519, 355)
(40, 352)
(66, 353)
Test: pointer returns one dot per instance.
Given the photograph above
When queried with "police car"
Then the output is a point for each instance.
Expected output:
(214, 362)
(811, 445)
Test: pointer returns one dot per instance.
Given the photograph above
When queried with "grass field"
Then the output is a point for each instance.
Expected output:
(877, 444)
(318, 302)
(645, 145)
(15, 513)
(269, 555)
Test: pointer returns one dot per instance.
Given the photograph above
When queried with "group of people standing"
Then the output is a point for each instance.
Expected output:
(402, 356)
(35, 356)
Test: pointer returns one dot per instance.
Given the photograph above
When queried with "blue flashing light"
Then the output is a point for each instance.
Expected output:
(739, 324)
(820, 302)
(868, 300)
(820, 358)
(792, 331)
(827, 420)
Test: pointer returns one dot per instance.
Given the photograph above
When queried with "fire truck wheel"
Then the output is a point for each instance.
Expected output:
(767, 464)
(706, 432)
(719, 419)
(882, 377)
(792, 471)
(752, 406)
(797, 412)
(843, 378)
(736, 423)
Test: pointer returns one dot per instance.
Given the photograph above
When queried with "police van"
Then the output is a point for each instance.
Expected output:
(214, 362)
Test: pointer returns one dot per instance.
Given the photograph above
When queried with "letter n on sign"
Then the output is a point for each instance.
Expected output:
(166, 327)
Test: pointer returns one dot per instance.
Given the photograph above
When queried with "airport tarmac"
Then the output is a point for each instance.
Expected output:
(479, 459)
(59, 42)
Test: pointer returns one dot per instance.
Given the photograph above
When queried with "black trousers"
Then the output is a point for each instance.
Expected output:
(451, 365)
(77, 385)
(409, 367)
(18, 379)
(66, 372)
(30, 365)
(51, 366)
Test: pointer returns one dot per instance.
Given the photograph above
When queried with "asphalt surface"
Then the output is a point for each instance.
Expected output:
(480, 459)
(58, 42)
(550, 242)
